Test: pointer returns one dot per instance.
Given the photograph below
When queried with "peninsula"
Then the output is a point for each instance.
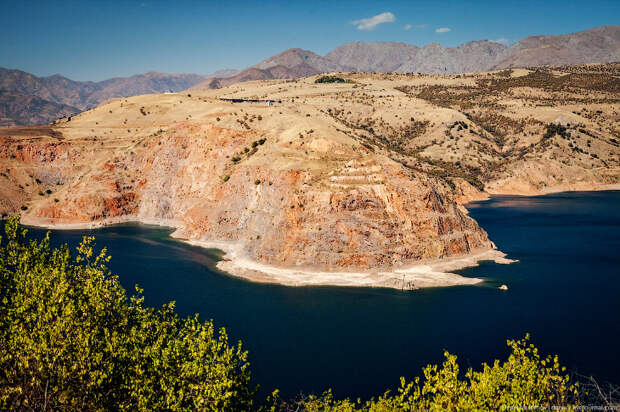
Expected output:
(357, 180)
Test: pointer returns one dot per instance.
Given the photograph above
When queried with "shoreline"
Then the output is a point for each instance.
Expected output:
(437, 273)
(613, 187)
(424, 274)
(554, 190)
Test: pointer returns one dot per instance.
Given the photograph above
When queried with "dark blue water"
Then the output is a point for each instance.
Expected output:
(565, 290)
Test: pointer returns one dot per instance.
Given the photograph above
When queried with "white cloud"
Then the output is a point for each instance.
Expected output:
(407, 27)
(372, 22)
(421, 26)
(443, 30)
(501, 40)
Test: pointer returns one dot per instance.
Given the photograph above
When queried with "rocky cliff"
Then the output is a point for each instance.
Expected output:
(292, 200)
(360, 176)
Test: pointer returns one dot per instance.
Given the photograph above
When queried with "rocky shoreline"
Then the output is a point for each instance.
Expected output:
(425, 274)
(238, 262)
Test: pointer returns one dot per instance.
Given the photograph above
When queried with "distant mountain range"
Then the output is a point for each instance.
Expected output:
(23, 109)
(28, 99)
(598, 45)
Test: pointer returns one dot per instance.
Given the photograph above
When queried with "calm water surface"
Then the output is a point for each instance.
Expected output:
(565, 291)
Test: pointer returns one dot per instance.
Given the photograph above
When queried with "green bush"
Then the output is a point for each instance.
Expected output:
(70, 339)
(525, 380)
(330, 79)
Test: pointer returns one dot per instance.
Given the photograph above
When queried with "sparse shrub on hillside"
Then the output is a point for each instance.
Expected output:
(330, 79)
(556, 128)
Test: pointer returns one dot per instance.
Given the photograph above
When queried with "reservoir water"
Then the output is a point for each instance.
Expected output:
(565, 291)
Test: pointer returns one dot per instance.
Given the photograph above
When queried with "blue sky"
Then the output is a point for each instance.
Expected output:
(95, 40)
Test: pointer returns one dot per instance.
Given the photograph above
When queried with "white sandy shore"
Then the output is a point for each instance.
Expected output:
(423, 275)
(237, 263)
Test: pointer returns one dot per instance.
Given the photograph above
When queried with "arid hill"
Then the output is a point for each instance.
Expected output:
(366, 175)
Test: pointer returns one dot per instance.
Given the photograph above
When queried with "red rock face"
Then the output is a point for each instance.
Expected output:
(364, 211)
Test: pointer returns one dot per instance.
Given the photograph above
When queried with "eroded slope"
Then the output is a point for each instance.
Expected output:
(289, 186)
(333, 177)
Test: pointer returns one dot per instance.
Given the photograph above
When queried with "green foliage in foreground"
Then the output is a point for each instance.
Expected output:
(71, 339)
(525, 379)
